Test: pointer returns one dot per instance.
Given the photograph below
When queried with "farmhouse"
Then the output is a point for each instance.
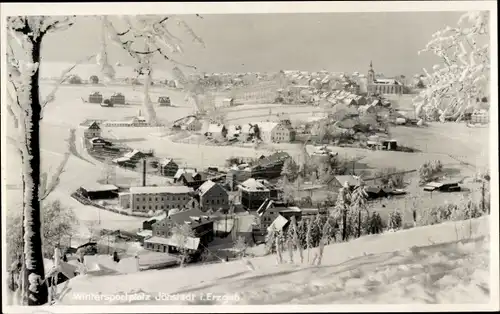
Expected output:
(189, 123)
(181, 171)
(148, 223)
(447, 186)
(254, 192)
(213, 196)
(276, 214)
(95, 98)
(94, 130)
(98, 191)
(164, 101)
(130, 159)
(338, 182)
(166, 237)
(99, 142)
(192, 180)
(168, 167)
(146, 198)
(118, 99)
(269, 167)
(216, 131)
(274, 132)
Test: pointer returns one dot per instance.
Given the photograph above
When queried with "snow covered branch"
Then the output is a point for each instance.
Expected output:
(453, 87)
(47, 187)
(64, 76)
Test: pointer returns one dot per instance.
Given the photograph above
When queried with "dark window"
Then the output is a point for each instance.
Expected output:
(143, 207)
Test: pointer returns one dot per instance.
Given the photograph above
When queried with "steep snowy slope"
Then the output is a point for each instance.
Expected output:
(447, 263)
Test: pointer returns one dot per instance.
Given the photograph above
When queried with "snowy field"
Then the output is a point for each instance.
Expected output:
(446, 264)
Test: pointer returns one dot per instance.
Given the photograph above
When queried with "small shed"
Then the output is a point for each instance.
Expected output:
(228, 102)
(99, 191)
(448, 186)
(118, 98)
(389, 144)
(95, 98)
(164, 101)
(99, 142)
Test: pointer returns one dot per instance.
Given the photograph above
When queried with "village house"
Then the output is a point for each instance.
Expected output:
(269, 167)
(189, 123)
(167, 238)
(95, 98)
(236, 175)
(118, 99)
(276, 132)
(94, 130)
(216, 131)
(130, 159)
(99, 142)
(253, 192)
(275, 215)
(192, 180)
(164, 101)
(338, 182)
(213, 196)
(181, 171)
(168, 167)
(147, 198)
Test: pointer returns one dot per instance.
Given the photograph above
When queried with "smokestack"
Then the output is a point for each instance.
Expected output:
(144, 172)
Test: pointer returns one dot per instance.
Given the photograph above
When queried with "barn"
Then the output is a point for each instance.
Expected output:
(98, 191)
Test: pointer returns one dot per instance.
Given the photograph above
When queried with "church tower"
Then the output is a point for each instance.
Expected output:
(371, 74)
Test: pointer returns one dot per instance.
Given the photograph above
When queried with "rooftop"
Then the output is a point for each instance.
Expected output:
(172, 189)
(255, 185)
(96, 187)
(189, 242)
(206, 186)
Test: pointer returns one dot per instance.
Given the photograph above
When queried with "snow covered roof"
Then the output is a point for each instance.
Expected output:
(181, 171)
(215, 128)
(145, 233)
(267, 126)
(157, 218)
(96, 187)
(189, 242)
(206, 186)
(166, 161)
(173, 189)
(254, 185)
(351, 180)
(131, 154)
(387, 81)
(278, 224)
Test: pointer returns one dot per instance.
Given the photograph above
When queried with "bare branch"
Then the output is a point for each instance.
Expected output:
(62, 79)
(58, 25)
(60, 169)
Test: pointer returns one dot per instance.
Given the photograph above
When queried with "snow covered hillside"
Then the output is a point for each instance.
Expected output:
(446, 263)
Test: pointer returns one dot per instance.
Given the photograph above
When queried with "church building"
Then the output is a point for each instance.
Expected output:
(382, 86)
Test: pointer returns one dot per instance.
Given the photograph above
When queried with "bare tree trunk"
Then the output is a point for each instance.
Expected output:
(37, 292)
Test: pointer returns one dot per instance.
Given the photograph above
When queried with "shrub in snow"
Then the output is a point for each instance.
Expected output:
(391, 177)
(374, 224)
(395, 220)
(74, 79)
(429, 170)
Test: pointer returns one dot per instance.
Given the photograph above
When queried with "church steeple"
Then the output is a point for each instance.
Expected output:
(371, 74)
